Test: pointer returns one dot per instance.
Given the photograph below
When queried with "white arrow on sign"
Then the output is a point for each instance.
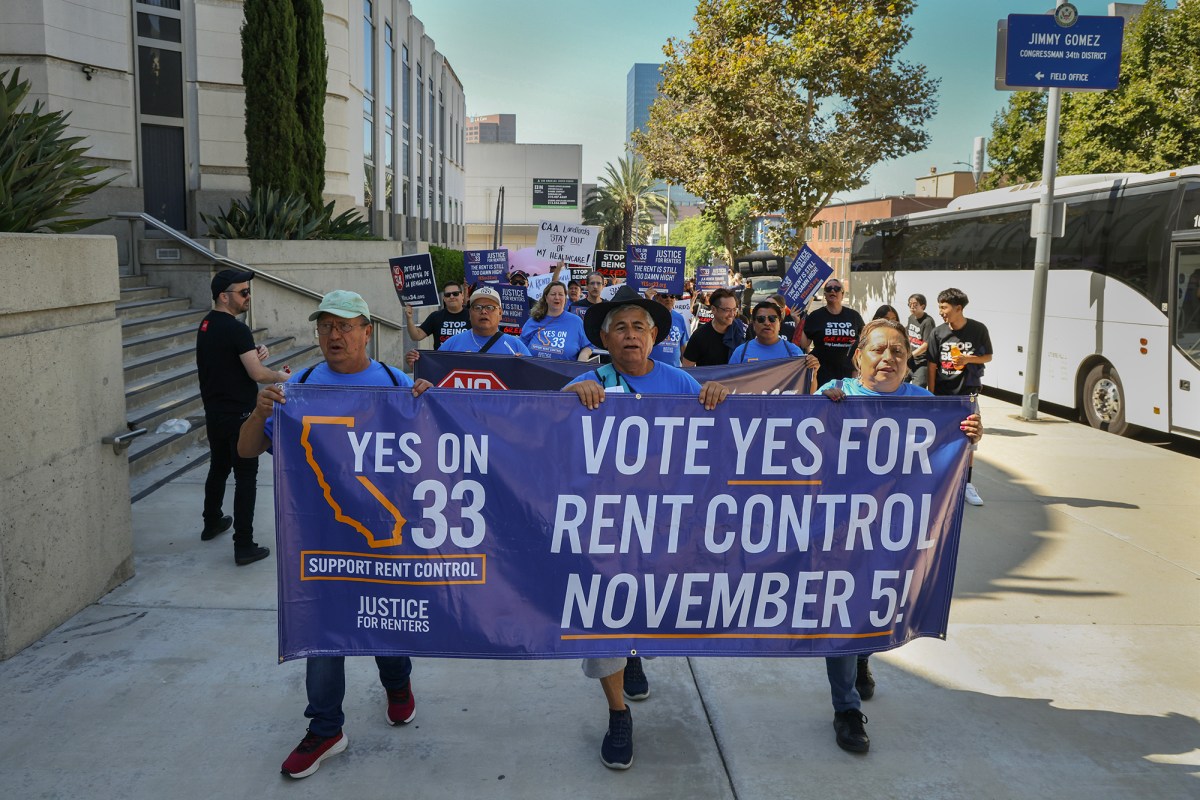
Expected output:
(1038, 75)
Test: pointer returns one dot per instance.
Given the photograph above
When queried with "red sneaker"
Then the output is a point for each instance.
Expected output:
(402, 707)
(312, 750)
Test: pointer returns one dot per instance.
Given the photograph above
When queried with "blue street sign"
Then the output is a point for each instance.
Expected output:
(1041, 54)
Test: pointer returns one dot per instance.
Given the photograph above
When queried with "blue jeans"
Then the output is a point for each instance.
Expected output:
(325, 681)
(843, 671)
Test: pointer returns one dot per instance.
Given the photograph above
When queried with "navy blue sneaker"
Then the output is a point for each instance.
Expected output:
(617, 750)
(214, 530)
(851, 736)
(637, 687)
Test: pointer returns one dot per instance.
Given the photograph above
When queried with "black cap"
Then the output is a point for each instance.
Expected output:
(626, 297)
(228, 277)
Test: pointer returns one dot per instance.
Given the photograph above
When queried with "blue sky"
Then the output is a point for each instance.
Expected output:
(561, 65)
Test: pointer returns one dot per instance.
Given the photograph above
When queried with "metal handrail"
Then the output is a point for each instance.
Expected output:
(134, 217)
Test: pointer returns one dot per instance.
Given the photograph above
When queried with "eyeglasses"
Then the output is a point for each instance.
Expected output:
(763, 318)
(488, 309)
(242, 292)
(727, 309)
(326, 328)
(451, 294)
(832, 289)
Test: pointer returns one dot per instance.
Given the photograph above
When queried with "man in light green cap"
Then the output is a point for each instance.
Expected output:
(343, 330)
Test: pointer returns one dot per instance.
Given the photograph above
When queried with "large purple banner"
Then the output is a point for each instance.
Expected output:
(522, 525)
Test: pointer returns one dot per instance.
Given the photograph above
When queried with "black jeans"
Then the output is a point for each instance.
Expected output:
(223, 432)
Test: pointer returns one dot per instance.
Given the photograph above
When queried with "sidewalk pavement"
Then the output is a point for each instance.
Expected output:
(1069, 671)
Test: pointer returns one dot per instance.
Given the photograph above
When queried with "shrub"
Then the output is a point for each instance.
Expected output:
(43, 172)
(447, 265)
(271, 214)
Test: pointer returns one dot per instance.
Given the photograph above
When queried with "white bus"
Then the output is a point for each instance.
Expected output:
(1122, 339)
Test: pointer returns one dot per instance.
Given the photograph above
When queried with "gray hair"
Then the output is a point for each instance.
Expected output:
(609, 316)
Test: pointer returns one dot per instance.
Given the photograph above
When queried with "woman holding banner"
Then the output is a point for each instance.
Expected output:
(881, 359)
(550, 332)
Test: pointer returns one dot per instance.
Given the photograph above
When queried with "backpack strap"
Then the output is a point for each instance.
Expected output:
(488, 345)
(304, 375)
(388, 370)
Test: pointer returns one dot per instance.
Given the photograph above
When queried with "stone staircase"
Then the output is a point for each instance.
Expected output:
(159, 340)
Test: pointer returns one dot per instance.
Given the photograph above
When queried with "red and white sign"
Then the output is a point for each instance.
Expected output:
(471, 379)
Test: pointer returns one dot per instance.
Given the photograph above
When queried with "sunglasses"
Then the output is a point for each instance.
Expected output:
(451, 294)
(242, 292)
(763, 318)
(832, 289)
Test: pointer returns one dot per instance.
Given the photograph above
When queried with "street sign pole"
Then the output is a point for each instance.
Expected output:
(1043, 227)
(1053, 52)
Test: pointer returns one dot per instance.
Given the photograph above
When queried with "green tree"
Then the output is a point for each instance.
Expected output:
(704, 237)
(789, 102)
(311, 82)
(1147, 124)
(269, 73)
(625, 192)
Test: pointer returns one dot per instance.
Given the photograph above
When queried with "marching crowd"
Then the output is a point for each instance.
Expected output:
(639, 345)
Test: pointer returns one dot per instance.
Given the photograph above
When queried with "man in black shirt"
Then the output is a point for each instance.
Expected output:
(230, 367)
(958, 350)
(713, 341)
(833, 332)
(441, 324)
(920, 331)
(595, 285)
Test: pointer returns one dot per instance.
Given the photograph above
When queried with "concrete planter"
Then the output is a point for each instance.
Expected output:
(65, 522)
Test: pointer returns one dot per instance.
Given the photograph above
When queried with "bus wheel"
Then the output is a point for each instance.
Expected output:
(1104, 400)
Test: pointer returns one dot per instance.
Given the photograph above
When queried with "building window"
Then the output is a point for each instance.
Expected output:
(420, 102)
(368, 105)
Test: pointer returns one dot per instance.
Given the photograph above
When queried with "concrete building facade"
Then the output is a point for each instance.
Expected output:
(541, 181)
(155, 88)
(492, 129)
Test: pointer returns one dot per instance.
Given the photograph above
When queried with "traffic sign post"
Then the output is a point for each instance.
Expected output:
(1054, 52)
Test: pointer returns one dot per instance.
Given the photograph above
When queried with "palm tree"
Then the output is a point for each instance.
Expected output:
(625, 195)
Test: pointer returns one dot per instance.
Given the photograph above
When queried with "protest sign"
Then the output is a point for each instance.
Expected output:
(571, 244)
(770, 526)
(709, 278)
(684, 309)
(657, 268)
(611, 264)
(413, 278)
(487, 266)
(514, 307)
(538, 283)
(804, 277)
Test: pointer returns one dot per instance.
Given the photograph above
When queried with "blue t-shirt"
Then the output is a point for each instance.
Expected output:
(669, 349)
(661, 379)
(754, 351)
(555, 337)
(322, 375)
(852, 386)
(468, 342)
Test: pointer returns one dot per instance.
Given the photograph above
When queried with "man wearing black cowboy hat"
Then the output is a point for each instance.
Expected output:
(629, 326)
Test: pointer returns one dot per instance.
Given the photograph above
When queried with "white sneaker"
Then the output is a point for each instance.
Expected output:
(972, 496)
